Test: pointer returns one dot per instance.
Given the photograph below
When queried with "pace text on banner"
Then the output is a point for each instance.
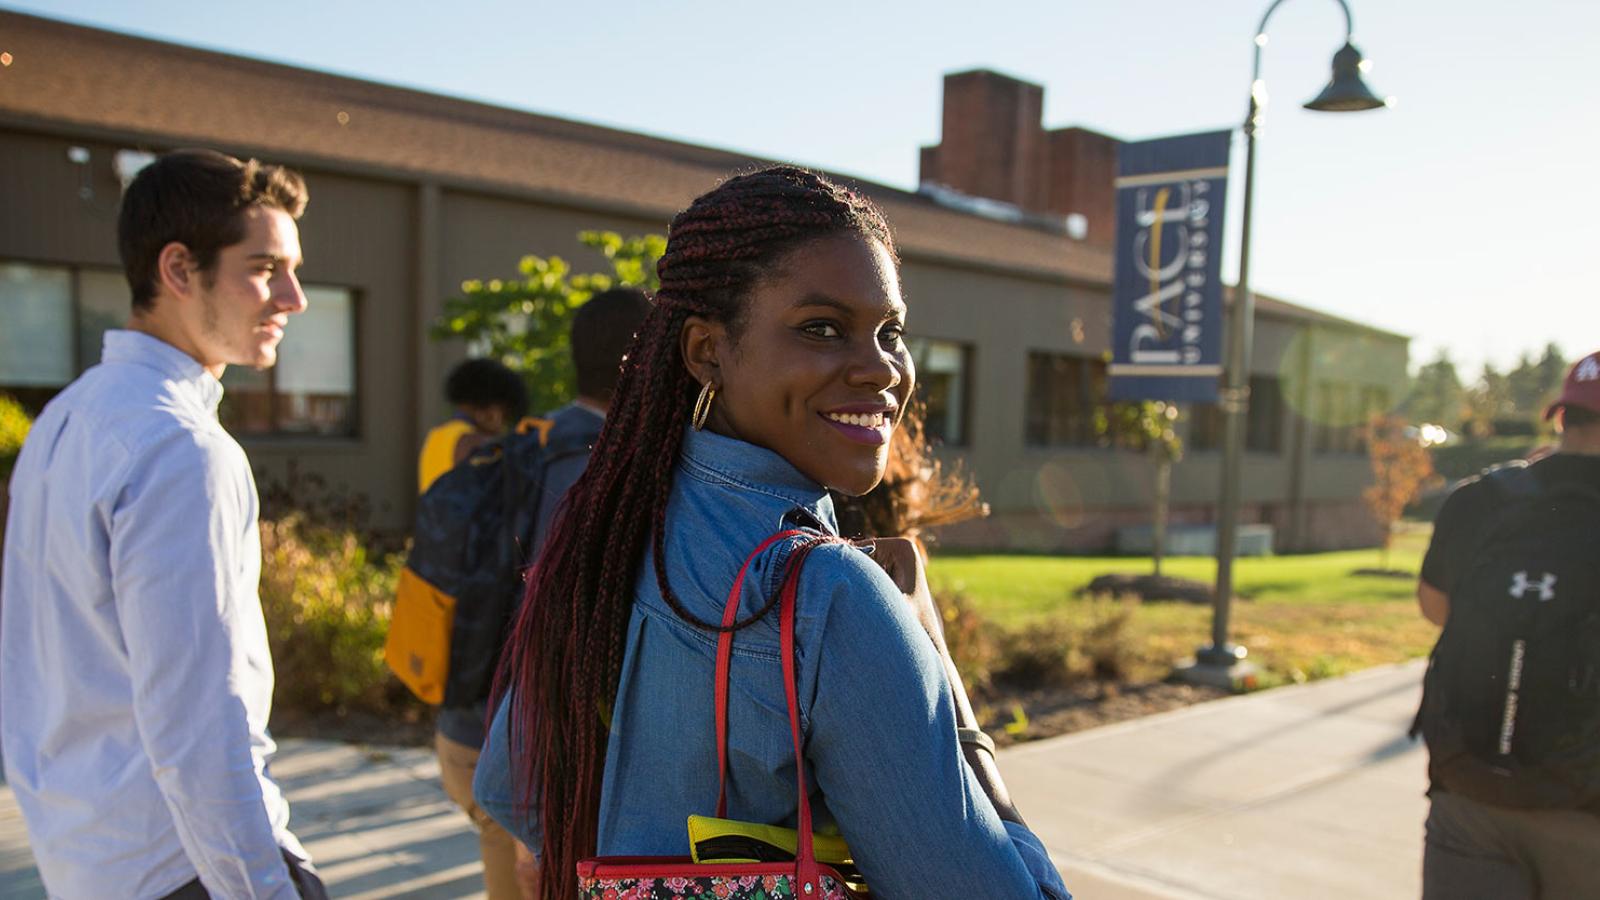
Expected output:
(1166, 320)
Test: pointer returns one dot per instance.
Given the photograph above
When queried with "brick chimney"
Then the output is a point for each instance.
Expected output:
(1081, 176)
(991, 141)
(993, 144)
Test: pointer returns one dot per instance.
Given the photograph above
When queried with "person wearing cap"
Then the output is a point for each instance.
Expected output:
(1475, 848)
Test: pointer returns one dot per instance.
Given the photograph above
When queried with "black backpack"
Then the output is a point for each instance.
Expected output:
(1511, 701)
(474, 532)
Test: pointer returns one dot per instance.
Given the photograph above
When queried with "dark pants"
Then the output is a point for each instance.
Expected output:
(1474, 850)
(305, 881)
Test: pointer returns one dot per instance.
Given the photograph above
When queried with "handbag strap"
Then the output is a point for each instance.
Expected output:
(805, 856)
(730, 614)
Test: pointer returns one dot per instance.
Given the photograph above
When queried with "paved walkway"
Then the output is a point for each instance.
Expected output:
(1302, 792)
(1305, 792)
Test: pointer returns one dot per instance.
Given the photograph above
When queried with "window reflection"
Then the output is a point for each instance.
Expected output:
(56, 318)
(942, 387)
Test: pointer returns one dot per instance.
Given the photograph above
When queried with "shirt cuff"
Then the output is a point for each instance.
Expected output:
(1037, 862)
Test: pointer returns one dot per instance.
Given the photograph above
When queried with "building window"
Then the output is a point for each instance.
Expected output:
(311, 391)
(36, 345)
(942, 384)
(1064, 393)
(1206, 426)
(1263, 423)
(1341, 411)
(56, 318)
(1374, 400)
(103, 305)
(1327, 411)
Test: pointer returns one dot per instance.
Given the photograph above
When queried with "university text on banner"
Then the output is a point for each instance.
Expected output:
(1166, 319)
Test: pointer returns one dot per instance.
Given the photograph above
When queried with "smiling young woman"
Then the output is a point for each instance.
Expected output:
(814, 367)
(770, 370)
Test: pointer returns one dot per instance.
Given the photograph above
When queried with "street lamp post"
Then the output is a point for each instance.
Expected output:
(1345, 92)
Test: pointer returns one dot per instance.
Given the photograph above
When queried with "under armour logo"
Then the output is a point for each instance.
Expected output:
(1546, 586)
(1588, 370)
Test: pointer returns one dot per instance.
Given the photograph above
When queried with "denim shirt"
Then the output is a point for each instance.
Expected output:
(876, 713)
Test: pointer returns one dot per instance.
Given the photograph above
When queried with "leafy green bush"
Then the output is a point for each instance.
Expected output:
(1040, 654)
(327, 604)
(1108, 648)
(973, 641)
(14, 425)
(1090, 639)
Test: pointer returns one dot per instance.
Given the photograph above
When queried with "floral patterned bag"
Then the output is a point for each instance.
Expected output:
(680, 878)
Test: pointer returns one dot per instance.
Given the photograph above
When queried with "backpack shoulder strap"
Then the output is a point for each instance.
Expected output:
(1514, 480)
(535, 423)
(564, 445)
(1518, 481)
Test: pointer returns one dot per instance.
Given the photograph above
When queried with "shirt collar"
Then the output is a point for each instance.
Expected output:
(595, 408)
(744, 464)
(140, 349)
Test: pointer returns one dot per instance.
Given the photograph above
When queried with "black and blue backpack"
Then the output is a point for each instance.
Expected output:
(464, 577)
(1511, 700)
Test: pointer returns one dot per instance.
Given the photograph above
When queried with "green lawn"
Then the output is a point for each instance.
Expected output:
(1301, 617)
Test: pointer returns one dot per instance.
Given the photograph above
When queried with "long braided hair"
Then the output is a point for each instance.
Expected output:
(562, 663)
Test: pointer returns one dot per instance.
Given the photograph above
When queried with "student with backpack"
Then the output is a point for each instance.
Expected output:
(1511, 701)
(482, 523)
(486, 398)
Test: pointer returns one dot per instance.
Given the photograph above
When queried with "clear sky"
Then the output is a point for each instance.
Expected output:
(1465, 216)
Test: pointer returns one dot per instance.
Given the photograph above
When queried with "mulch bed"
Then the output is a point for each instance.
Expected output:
(1049, 712)
(1085, 704)
(1406, 574)
(1151, 588)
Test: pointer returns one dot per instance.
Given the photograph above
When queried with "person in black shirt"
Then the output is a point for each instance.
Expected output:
(602, 329)
(1474, 848)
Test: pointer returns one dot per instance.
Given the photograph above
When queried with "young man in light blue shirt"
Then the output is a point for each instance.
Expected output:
(135, 678)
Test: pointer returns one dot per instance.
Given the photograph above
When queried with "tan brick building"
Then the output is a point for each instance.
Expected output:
(1007, 269)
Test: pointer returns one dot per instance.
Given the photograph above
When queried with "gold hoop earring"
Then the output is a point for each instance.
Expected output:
(702, 406)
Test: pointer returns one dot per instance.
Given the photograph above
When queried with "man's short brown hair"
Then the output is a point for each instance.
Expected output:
(197, 198)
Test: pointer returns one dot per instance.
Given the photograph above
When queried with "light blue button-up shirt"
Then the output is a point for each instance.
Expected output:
(135, 679)
(875, 707)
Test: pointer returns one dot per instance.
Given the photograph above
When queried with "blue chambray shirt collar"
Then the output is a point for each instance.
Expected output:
(140, 349)
(744, 465)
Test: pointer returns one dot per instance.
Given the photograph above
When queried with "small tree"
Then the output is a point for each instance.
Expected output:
(1401, 468)
(1147, 426)
(524, 322)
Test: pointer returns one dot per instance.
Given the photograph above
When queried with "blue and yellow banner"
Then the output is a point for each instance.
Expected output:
(1166, 301)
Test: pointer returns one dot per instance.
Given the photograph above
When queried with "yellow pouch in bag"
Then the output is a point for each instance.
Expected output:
(713, 840)
(417, 649)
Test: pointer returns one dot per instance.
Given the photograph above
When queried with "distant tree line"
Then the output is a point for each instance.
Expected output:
(1497, 403)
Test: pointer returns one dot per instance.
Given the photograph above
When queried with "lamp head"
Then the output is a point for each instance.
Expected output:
(1346, 91)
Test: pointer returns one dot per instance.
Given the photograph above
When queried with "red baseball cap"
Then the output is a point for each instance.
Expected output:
(1582, 387)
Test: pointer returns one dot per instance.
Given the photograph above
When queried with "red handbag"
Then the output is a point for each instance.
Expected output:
(680, 878)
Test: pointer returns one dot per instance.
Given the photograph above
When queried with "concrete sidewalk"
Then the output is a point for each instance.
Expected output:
(1305, 792)
(374, 819)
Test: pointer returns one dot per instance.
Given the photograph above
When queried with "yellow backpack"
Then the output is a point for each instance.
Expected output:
(465, 544)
